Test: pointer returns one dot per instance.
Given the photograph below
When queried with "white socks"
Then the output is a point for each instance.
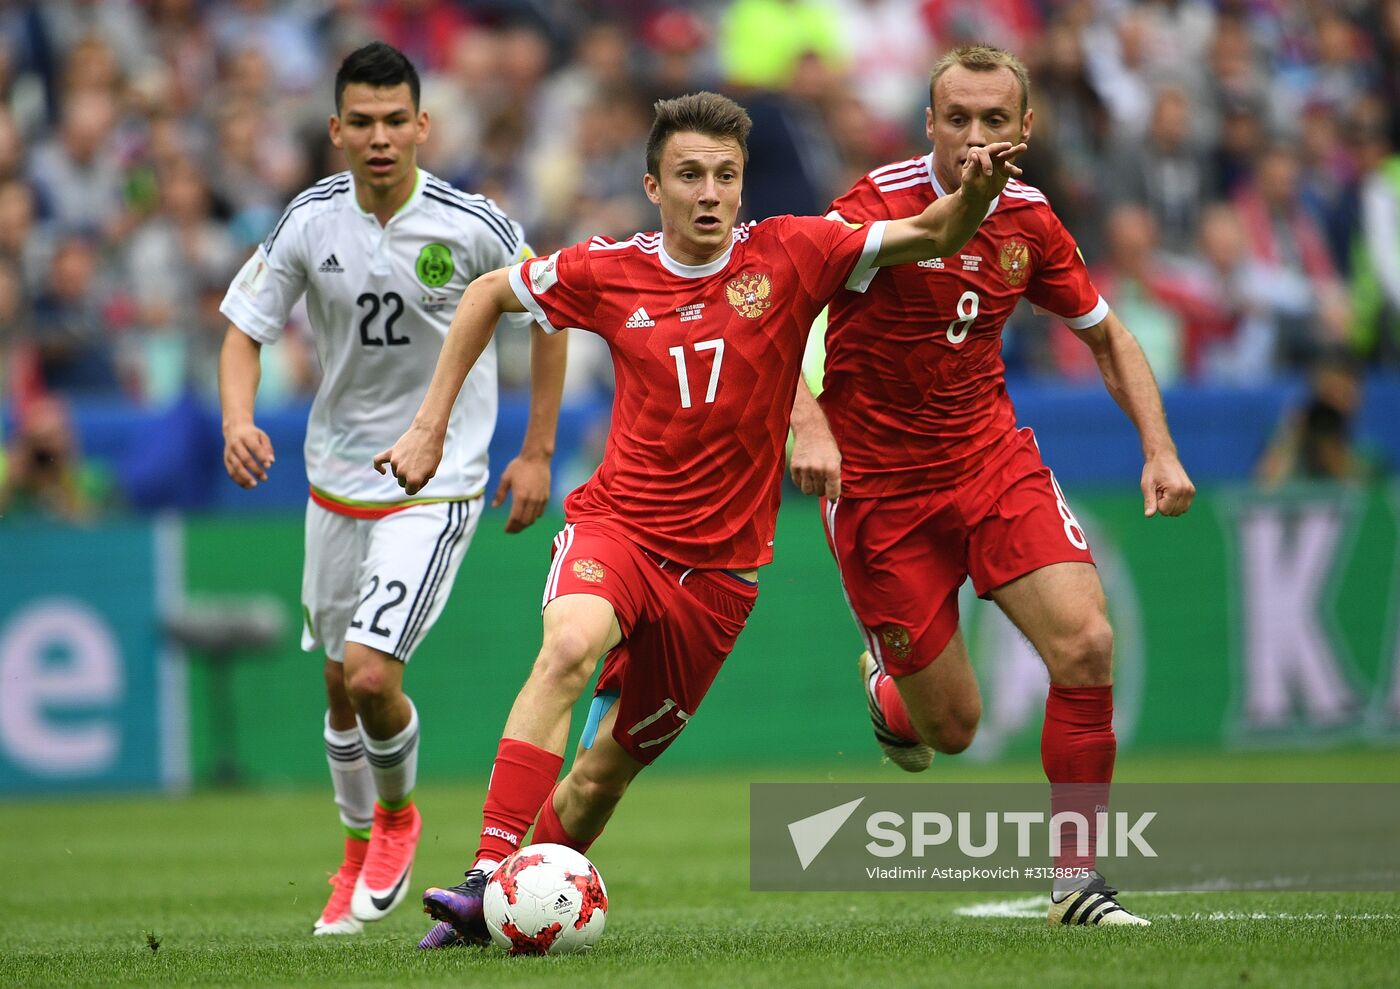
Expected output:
(394, 761)
(350, 775)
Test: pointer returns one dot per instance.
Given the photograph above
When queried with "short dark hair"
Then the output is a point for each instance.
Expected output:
(704, 113)
(378, 65)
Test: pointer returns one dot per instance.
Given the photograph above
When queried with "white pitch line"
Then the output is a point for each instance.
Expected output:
(1030, 907)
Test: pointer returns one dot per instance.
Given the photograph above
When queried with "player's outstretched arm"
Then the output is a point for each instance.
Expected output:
(526, 478)
(816, 459)
(415, 455)
(950, 221)
(247, 449)
(1166, 488)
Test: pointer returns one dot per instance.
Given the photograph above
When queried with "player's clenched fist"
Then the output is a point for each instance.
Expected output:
(1166, 488)
(247, 454)
(413, 459)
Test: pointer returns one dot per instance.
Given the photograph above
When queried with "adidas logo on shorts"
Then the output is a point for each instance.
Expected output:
(639, 319)
(331, 264)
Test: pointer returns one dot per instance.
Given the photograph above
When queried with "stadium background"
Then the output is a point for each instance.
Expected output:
(1227, 168)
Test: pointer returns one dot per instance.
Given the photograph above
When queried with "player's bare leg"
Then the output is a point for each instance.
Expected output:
(935, 709)
(943, 700)
(581, 805)
(354, 795)
(1061, 609)
(579, 629)
(373, 681)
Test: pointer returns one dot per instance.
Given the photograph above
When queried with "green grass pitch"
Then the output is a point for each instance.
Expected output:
(221, 889)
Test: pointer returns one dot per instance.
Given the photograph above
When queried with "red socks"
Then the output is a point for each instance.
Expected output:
(548, 828)
(892, 706)
(521, 782)
(1077, 747)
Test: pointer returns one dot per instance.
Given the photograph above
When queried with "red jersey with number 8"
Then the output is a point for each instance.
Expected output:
(915, 388)
(706, 360)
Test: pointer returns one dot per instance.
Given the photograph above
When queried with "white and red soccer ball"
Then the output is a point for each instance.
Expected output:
(545, 900)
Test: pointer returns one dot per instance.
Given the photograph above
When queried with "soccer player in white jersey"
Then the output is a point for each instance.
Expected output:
(382, 252)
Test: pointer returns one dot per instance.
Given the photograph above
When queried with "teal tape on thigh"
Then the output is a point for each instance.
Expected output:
(602, 703)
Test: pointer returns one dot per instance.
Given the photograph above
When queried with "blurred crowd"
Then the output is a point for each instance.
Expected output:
(1229, 167)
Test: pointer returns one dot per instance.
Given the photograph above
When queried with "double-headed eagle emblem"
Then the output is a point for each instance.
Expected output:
(1015, 261)
(749, 294)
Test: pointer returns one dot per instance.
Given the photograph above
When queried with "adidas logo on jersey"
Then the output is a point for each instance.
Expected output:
(639, 319)
(331, 264)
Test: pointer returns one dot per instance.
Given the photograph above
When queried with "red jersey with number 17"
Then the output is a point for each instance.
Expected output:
(915, 388)
(706, 360)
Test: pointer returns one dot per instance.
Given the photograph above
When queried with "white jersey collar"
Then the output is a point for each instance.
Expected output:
(409, 203)
(695, 270)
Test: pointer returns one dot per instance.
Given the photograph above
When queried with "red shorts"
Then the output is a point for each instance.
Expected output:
(902, 558)
(678, 626)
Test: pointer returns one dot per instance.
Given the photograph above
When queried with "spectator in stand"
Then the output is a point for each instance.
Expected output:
(76, 174)
(75, 350)
(20, 243)
(890, 45)
(1139, 280)
(170, 263)
(1328, 180)
(1375, 286)
(761, 41)
(1167, 174)
(1241, 135)
(681, 56)
(1232, 334)
(1310, 304)
(1317, 441)
(43, 475)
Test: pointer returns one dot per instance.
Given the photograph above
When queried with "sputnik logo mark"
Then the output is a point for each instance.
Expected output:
(811, 834)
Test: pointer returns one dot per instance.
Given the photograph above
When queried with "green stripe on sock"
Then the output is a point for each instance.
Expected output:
(396, 804)
(360, 833)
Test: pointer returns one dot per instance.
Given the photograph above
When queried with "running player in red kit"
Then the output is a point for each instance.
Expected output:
(656, 568)
(937, 483)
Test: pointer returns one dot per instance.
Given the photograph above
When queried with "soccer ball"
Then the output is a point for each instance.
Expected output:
(545, 900)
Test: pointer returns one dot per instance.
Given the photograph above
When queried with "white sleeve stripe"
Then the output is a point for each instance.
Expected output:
(522, 292)
(834, 215)
(864, 270)
(1093, 317)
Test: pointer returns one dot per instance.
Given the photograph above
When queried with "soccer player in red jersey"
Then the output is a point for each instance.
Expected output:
(935, 481)
(657, 566)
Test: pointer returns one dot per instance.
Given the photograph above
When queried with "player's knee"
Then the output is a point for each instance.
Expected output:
(368, 684)
(1087, 655)
(954, 731)
(566, 659)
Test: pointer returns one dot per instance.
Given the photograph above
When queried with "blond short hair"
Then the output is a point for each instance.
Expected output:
(983, 58)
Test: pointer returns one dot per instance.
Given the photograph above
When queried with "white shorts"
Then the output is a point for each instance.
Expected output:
(381, 582)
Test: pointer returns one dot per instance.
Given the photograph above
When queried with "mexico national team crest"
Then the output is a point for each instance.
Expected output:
(434, 265)
(895, 639)
(589, 570)
(1015, 261)
(749, 294)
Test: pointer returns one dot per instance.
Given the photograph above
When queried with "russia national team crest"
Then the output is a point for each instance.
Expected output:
(895, 639)
(1015, 261)
(589, 570)
(749, 294)
(434, 265)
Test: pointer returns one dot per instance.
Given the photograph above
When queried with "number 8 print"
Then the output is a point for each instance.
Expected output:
(968, 304)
